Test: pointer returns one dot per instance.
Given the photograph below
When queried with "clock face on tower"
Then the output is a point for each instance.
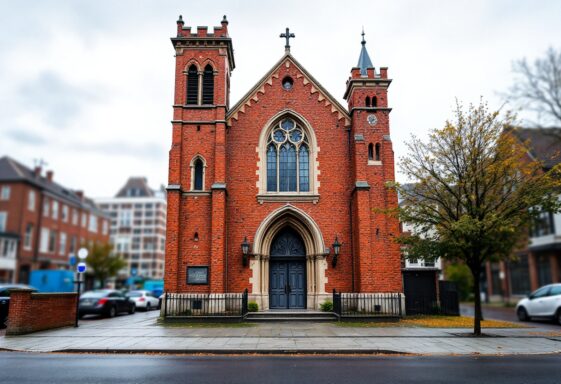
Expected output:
(372, 119)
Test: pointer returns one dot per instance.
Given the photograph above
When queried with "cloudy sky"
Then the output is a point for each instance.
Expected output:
(87, 86)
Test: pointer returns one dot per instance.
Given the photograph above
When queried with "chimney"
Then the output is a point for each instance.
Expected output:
(50, 176)
(37, 171)
(80, 194)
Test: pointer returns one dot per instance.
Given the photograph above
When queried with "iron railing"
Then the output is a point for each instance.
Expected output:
(367, 304)
(204, 305)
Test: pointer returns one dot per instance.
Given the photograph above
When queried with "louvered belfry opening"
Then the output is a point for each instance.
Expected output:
(192, 85)
(208, 85)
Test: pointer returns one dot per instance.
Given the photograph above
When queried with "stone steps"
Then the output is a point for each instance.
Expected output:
(308, 316)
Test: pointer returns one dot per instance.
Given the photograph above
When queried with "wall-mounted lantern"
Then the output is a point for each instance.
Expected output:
(245, 250)
(336, 248)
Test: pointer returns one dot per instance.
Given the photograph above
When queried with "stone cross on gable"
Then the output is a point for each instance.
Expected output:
(287, 36)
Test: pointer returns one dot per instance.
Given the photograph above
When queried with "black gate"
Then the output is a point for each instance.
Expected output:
(423, 298)
(449, 298)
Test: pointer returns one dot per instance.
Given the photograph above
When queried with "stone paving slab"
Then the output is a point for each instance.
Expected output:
(140, 333)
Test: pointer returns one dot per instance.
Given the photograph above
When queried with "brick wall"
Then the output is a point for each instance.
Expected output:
(32, 312)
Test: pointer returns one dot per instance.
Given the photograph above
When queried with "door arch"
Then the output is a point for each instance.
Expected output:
(287, 271)
(289, 217)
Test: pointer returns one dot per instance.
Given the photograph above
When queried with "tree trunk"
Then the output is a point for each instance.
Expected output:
(477, 316)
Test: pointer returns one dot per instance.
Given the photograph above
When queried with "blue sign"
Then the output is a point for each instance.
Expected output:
(81, 268)
(134, 271)
(72, 261)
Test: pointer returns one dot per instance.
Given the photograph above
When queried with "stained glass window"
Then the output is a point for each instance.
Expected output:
(288, 160)
(272, 168)
(304, 163)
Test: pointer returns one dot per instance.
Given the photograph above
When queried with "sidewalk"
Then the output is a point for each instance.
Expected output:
(139, 333)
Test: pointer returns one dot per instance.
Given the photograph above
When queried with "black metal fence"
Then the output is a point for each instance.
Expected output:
(447, 303)
(357, 305)
(205, 306)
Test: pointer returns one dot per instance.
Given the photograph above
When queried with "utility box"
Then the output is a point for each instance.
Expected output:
(53, 280)
(156, 286)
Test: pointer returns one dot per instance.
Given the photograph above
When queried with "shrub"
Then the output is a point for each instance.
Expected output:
(461, 275)
(326, 306)
(252, 306)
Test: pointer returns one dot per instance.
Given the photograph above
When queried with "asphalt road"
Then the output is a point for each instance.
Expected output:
(23, 368)
(508, 314)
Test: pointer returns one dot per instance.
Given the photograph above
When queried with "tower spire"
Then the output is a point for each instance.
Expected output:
(364, 59)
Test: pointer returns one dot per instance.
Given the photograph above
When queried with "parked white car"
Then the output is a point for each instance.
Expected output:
(545, 302)
(144, 300)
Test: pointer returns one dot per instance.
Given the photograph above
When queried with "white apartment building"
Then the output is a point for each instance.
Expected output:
(138, 227)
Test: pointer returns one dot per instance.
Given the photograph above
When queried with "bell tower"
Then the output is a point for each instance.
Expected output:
(197, 158)
(376, 252)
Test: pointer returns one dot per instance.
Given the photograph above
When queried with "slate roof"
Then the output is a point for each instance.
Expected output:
(13, 171)
(136, 187)
(364, 61)
(544, 144)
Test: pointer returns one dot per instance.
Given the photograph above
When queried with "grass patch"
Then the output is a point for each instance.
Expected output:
(192, 325)
(427, 321)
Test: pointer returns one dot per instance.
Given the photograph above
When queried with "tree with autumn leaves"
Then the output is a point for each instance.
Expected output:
(475, 191)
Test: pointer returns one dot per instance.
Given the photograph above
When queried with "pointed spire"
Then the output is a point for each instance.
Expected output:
(364, 60)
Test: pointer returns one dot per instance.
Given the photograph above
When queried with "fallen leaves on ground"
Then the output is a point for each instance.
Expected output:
(437, 322)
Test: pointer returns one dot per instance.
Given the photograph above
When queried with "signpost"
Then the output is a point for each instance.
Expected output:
(80, 269)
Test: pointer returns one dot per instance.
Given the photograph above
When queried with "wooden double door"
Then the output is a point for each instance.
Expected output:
(287, 271)
(288, 285)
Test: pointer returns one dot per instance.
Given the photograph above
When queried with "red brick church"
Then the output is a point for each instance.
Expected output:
(281, 193)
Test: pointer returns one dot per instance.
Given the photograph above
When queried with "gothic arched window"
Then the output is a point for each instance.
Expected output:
(197, 174)
(367, 101)
(377, 152)
(374, 101)
(370, 152)
(208, 85)
(288, 158)
(192, 85)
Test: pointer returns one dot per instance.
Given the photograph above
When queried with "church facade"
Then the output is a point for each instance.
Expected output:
(283, 193)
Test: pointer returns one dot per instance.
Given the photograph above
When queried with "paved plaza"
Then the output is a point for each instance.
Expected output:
(141, 333)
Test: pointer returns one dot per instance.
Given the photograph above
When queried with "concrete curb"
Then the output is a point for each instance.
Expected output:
(239, 351)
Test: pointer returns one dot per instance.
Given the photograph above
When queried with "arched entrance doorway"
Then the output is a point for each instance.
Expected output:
(287, 271)
(288, 225)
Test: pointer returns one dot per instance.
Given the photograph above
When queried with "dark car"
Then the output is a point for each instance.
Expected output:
(5, 290)
(105, 302)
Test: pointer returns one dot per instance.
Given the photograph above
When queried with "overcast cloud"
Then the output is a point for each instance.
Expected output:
(88, 85)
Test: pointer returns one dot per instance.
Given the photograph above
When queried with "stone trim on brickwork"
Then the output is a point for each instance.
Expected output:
(315, 87)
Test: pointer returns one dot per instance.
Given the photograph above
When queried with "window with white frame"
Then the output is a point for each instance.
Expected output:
(74, 216)
(93, 224)
(62, 244)
(125, 218)
(52, 241)
(73, 244)
(55, 210)
(84, 219)
(31, 201)
(44, 242)
(105, 227)
(65, 213)
(5, 192)
(46, 206)
(28, 239)
(3, 221)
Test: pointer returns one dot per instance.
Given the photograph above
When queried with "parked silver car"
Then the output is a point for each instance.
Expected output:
(545, 302)
(144, 299)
